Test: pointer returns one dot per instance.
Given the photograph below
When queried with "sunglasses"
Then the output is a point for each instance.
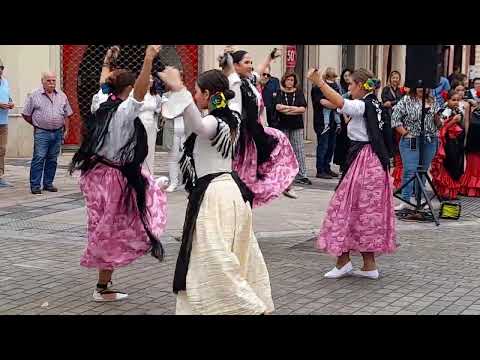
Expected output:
(266, 75)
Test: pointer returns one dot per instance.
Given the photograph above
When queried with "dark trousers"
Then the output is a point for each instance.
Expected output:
(325, 150)
(46, 149)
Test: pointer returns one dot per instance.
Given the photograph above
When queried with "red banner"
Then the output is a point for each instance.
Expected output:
(291, 56)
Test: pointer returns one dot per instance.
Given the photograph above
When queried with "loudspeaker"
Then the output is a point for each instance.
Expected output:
(423, 66)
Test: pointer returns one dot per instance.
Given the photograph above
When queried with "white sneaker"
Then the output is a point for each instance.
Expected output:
(290, 193)
(163, 182)
(372, 274)
(336, 273)
(108, 295)
(402, 206)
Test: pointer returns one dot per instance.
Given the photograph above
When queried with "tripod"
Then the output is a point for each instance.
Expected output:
(421, 174)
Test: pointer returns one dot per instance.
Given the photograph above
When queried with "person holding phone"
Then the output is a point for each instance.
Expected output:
(406, 119)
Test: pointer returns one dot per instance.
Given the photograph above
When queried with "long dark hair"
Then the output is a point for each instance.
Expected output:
(343, 83)
(130, 158)
(215, 82)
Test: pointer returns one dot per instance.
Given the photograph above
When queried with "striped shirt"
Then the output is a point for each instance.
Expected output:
(47, 112)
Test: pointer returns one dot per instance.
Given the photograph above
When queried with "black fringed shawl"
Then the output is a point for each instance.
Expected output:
(379, 134)
(131, 158)
(250, 128)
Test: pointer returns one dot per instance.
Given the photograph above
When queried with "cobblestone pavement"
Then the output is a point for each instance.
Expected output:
(435, 271)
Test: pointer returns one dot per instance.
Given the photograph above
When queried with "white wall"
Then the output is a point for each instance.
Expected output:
(23, 67)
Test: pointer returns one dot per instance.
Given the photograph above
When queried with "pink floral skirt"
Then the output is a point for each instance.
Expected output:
(116, 235)
(360, 216)
(279, 171)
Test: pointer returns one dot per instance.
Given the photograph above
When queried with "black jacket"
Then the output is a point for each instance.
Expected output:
(318, 123)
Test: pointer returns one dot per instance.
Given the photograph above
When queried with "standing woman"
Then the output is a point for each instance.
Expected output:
(406, 119)
(220, 269)
(360, 216)
(291, 105)
(126, 209)
(149, 112)
(265, 160)
(175, 126)
(391, 95)
(342, 142)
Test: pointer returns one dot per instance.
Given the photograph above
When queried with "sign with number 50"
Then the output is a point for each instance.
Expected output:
(291, 56)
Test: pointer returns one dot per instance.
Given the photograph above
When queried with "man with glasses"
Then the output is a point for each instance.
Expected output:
(270, 86)
(6, 104)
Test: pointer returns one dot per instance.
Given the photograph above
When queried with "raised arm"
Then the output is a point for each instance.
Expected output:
(275, 53)
(109, 63)
(181, 102)
(142, 84)
(335, 98)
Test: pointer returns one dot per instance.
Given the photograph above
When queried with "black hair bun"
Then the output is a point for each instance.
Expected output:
(229, 94)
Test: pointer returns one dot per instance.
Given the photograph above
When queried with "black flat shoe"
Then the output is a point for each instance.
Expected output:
(50, 188)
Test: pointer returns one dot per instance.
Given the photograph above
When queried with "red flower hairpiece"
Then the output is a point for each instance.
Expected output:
(444, 95)
(402, 90)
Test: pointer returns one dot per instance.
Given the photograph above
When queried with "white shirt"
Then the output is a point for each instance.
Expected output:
(236, 103)
(169, 113)
(356, 128)
(207, 158)
(120, 129)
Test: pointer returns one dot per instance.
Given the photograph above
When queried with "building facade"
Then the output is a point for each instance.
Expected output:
(78, 70)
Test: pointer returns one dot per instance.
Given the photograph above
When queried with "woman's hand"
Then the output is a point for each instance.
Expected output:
(112, 54)
(314, 76)
(172, 78)
(387, 104)
(152, 51)
(275, 53)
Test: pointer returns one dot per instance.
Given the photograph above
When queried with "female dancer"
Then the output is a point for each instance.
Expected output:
(220, 268)
(148, 112)
(126, 209)
(265, 160)
(448, 164)
(360, 216)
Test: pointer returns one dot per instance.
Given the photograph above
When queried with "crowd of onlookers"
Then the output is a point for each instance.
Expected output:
(451, 121)
(451, 125)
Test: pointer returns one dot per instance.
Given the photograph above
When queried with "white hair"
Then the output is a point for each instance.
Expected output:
(46, 74)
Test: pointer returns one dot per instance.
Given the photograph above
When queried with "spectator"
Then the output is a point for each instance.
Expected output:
(443, 85)
(330, 76)
(325, 141)
(269, 87)
(345, 80)
(473, 95)
(456, 76)
(342, 142)
(391, 95)
(47, 110)
(291, 105)
(406, 119)
(6, 104)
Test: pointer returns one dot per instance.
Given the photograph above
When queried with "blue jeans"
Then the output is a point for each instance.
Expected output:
(410, 160)
(45, 153)
(325, 150)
